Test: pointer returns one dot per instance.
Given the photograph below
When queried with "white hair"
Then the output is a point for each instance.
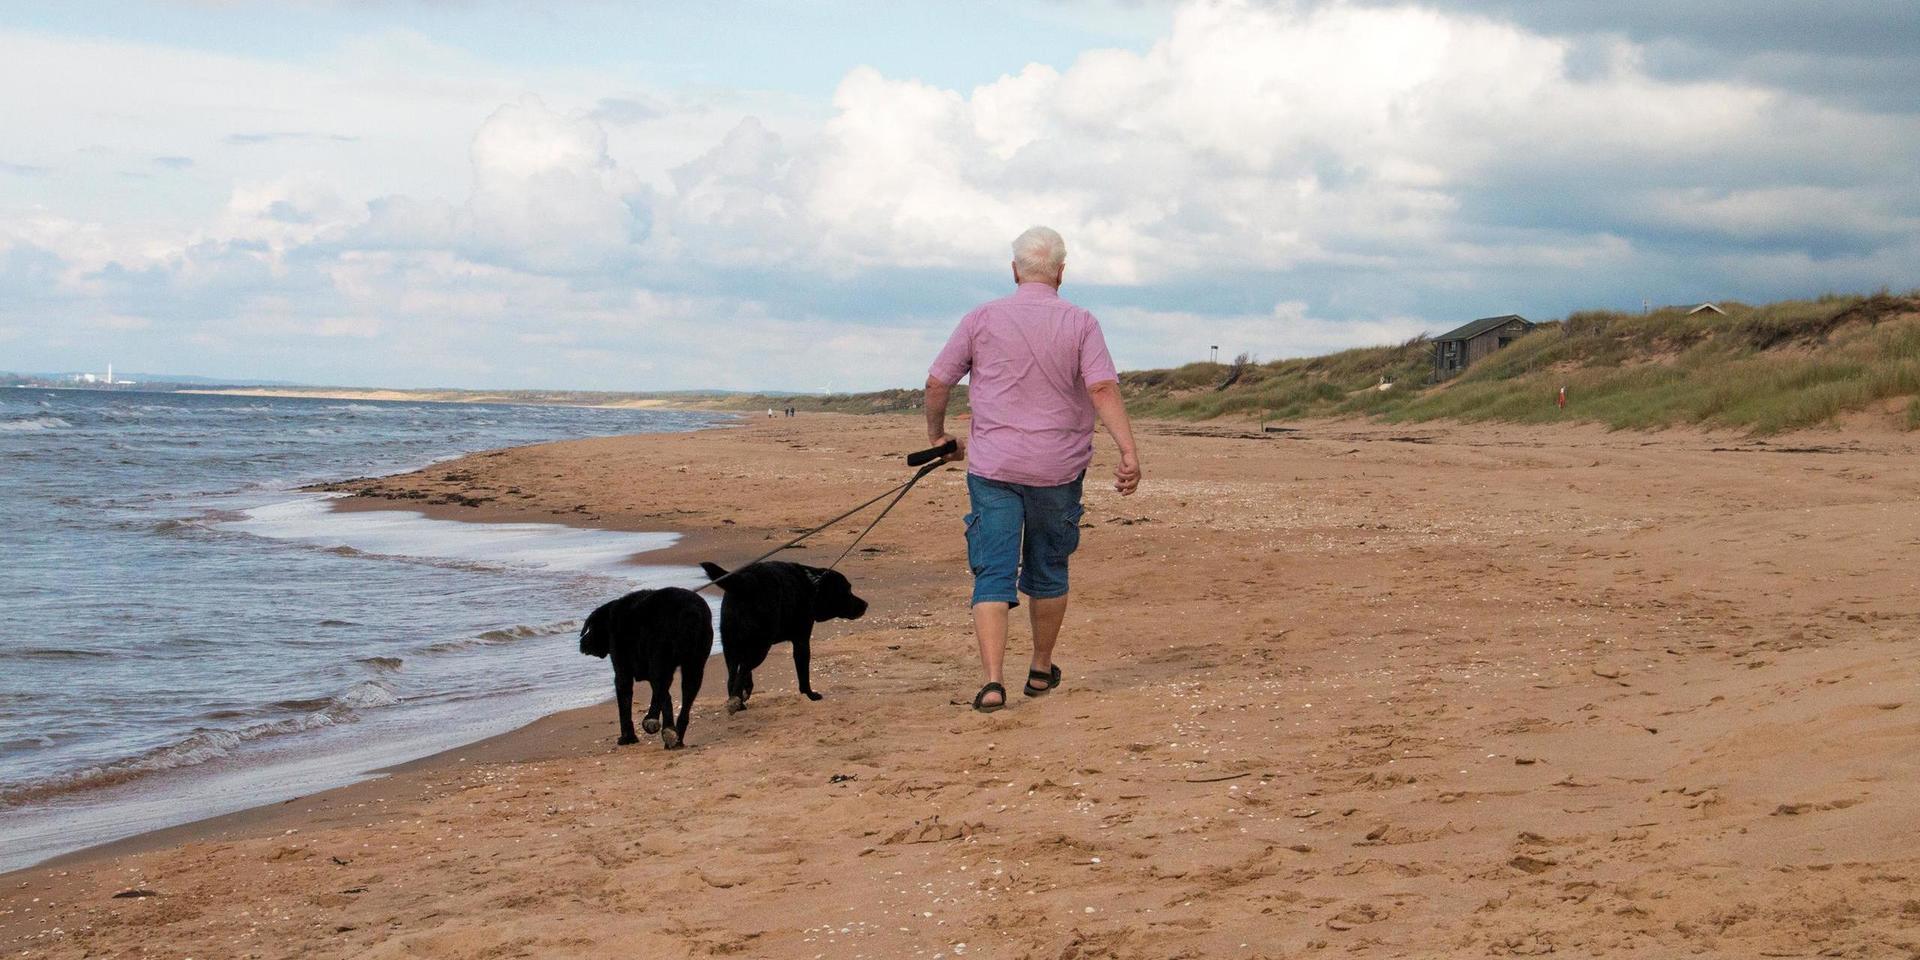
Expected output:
(1039, 255)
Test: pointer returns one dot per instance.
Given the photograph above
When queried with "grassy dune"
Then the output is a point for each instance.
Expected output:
(1764, 368)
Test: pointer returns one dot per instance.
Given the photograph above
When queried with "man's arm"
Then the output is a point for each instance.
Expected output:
(955, 361)
(1113, 415)
(938, 393)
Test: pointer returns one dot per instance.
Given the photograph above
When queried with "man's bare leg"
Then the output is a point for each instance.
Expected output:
(990, 628)
(1046, 617)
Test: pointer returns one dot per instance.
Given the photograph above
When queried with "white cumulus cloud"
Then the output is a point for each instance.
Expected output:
(1278, 178)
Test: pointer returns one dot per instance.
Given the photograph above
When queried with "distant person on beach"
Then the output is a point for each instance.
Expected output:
(1040, 374)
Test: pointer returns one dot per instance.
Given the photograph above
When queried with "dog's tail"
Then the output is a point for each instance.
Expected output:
(596, 635)
(714, 572)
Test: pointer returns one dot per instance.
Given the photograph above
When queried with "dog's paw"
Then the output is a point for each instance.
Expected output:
(734, 705)
(815, 696)
(628, 738)
(650, 725)
(671, 738)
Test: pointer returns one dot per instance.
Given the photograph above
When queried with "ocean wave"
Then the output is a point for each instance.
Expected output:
(206, 745)
(196, 526)
(361, 696)
(511, 634)
(56, 653)
(34, 424)
(19, 706)
(201, 746)
(366, 695)
(383, 664)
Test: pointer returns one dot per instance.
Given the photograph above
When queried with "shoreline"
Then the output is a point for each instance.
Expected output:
(337, 743)
(261, 748)
(520, 742)
(1274, 736)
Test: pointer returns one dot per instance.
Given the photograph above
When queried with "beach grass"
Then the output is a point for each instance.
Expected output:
(1765, 369)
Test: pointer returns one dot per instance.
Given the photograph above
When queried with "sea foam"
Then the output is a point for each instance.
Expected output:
(407, 534)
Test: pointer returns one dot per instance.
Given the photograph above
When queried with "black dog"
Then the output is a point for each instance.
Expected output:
(649, 633)
(776, 602)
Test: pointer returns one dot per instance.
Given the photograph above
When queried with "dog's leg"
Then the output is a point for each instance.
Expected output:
(691, 673)
(802, 664)
(736, 700)
(623, 695)
(669, 736)
(661, 714)
(653, 719)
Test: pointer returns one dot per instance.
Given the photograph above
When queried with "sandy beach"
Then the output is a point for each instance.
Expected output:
(1346, 689)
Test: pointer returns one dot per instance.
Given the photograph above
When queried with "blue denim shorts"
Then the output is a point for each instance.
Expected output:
(1021, 536)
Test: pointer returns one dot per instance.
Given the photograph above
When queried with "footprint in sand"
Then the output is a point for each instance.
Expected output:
(1359, 914)
(1796, 809)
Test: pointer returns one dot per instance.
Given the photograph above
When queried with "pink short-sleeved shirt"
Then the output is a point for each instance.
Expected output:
(1031, 356)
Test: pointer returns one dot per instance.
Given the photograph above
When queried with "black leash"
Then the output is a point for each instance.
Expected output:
(930, 457)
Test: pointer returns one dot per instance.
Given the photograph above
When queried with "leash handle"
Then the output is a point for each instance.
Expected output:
(932, 453)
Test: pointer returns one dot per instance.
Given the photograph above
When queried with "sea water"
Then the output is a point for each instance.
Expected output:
(183, 632)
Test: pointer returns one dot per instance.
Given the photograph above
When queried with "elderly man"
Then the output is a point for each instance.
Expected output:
(1040, 374)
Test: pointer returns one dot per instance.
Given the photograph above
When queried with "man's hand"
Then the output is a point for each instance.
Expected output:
(1113, 412)
(1126, 476)
(960, 446)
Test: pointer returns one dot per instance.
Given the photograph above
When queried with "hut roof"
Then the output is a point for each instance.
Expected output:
(1481, 326)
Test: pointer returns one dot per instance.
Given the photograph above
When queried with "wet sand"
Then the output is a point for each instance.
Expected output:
(1355, 689)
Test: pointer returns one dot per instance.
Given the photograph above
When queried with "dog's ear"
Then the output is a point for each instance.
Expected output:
(596, 634)
(714, 571)
(833, 597)
(828, 590)
(852, 607)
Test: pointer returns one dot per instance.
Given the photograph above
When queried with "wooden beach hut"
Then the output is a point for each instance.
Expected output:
(1456, 349)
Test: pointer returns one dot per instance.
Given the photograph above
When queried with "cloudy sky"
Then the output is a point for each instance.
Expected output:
(807, 194)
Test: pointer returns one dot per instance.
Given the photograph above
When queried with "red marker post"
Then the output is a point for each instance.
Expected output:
(1563, 398)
